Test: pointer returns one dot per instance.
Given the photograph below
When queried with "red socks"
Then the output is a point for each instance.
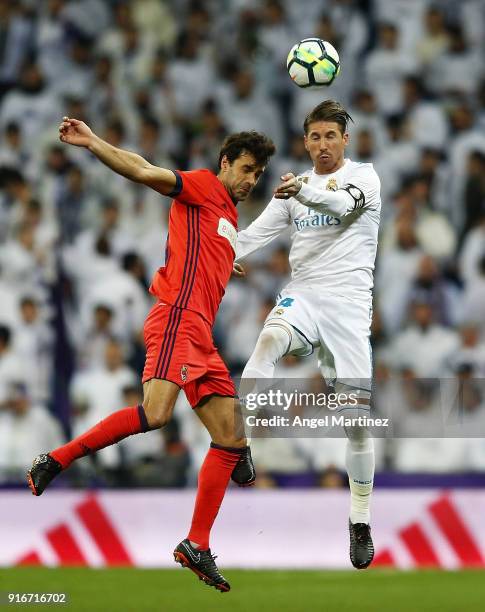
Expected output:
(214, 476)
(110, 430)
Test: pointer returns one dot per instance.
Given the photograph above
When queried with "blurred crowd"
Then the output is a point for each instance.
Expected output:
(79, 244)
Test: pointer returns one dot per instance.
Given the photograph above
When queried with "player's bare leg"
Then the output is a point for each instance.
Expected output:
(158, 403)
(221, 417)
(159, 397)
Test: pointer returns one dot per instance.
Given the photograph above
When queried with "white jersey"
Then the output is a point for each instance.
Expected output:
(328, 251)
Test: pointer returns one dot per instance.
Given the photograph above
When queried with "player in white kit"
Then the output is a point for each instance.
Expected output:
(333, 210)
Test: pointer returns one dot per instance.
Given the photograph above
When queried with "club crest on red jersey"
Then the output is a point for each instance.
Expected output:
(184, 372)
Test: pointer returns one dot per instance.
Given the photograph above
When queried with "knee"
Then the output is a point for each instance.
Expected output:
(265, 340)
(158, 413)
(273, 342)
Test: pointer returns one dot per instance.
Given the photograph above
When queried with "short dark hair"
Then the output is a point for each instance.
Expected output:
(28, 300)
(329, 110)
(258, 145)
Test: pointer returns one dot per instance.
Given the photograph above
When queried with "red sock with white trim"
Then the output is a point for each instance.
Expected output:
(214, 477)
(112, 429)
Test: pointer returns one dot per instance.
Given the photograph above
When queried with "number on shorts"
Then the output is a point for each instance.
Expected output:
(286, 302)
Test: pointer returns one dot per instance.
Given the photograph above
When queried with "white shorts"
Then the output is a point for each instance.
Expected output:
(339, 326)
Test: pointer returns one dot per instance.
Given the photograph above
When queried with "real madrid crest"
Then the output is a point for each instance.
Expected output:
(184, 372)
(331, 185)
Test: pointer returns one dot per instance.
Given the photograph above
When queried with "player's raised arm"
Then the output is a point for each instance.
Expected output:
(128, 164)
(337, 203)
(274, 219)
(362, 190)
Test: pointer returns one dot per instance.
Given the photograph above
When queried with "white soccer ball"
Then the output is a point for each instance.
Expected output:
(313, 62)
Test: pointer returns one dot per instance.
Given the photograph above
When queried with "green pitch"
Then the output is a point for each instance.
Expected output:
(135, 590)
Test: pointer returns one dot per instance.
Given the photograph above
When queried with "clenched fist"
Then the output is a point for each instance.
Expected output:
(290, 186)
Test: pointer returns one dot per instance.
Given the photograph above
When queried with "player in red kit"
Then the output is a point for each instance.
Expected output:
(178, 330)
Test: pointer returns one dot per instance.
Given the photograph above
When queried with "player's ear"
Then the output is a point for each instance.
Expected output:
(305, 142)
(345, 138)
(224, 163)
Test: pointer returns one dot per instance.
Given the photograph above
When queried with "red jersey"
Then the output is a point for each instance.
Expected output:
(201, 244)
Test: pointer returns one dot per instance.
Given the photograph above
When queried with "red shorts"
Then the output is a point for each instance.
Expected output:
(180, 348)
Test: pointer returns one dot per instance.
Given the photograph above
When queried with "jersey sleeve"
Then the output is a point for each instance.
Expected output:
(191, 187)
(274, 219)
(364, 187)
(360, 191)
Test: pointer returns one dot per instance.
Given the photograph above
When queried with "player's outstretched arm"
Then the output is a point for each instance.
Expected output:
(128, 164)
(274, 219)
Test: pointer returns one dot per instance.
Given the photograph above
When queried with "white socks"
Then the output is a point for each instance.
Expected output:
(273, 343)
(360, 463)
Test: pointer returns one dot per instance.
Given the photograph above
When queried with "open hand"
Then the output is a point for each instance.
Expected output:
(75, 132)
(290, 186)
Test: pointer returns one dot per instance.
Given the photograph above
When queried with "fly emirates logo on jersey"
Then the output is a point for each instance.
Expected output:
(315, 219)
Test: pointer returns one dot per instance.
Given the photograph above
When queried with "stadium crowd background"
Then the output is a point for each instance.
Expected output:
(169, 80)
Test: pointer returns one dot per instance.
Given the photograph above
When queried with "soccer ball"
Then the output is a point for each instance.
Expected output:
(313, 62)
